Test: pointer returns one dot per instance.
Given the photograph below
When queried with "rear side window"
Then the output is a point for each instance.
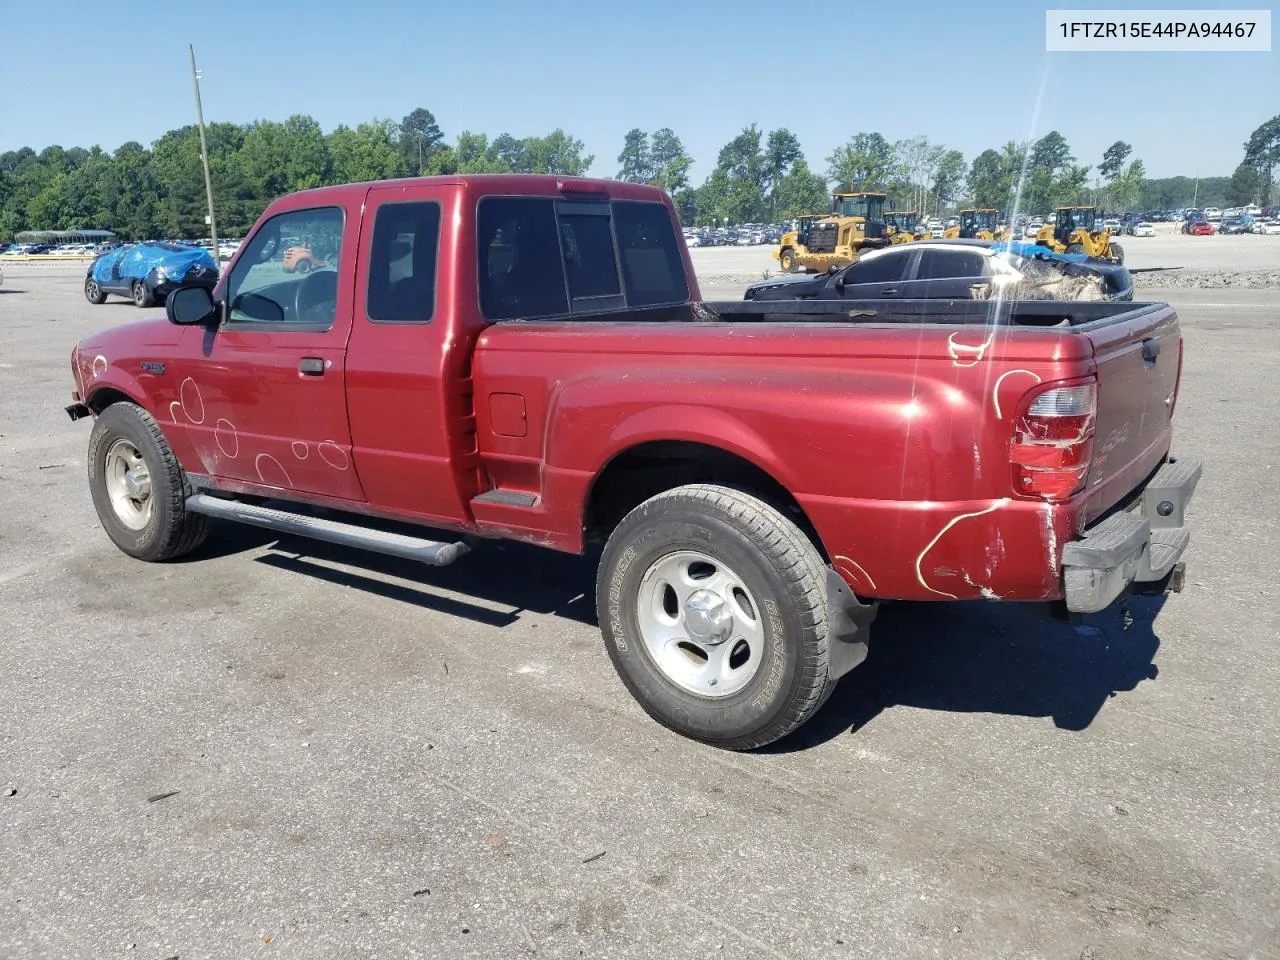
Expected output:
(542, 257)
(885, 268)
(402, 263)
(948, 264)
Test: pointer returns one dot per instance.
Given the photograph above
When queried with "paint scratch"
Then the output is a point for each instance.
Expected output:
(932, 543)
(995, 393)
(856, 566)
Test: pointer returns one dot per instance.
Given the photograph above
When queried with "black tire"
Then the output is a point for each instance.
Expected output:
(1117, 253)
(784, 573)
(303, 266)
(171, 530)
(142, 296)
(787, 261)
(1075, 248)
(93, 291)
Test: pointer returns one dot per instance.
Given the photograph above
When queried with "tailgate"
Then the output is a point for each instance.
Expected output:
(1138, 357)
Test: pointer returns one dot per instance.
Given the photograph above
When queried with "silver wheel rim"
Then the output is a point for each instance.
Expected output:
(128, 484)
(138, 295)
(700, 624)
(93, 289)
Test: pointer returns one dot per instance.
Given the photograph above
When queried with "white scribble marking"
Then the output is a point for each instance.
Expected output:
(257, 465)
(333, 455)
(227, 437)
(192, 401)
(1053, 538)
(995, 393)
(301, 450)
(967, 354)
(99, 366)
(856, 566)
(174, 407)
(932, 543)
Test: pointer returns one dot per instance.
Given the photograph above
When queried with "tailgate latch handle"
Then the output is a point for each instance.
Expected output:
(1150, 350)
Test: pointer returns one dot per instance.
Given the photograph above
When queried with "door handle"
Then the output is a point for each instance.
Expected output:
(311, 366)
(891, 292)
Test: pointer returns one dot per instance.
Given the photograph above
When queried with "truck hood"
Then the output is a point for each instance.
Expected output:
(126, 338)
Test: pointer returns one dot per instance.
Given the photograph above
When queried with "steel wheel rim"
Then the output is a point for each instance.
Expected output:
(700, 624)
(128, 483)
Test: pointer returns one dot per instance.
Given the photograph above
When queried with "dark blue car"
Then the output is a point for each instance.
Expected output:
(147, 273)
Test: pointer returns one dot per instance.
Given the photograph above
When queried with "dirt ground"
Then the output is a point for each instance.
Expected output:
(280, 749)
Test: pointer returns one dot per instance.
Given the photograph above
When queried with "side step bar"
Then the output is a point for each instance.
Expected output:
(432, 552)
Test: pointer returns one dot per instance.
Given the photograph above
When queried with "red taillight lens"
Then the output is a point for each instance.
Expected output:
(1053, 441)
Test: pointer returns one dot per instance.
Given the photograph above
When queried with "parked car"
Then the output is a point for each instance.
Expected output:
(580, 391)
(1267, 227)
(1212, 213)
(1199, 228)
(959, 270)
(1141, 229)
(147, 273)
(1231, 225)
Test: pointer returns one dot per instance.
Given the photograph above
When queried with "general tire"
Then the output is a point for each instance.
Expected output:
(171, 530)
(782, 570)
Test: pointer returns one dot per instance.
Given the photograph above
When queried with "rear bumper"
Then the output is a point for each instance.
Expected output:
(1140, 546)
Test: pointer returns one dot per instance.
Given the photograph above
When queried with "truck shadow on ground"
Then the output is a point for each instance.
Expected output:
(974, 657)
(983, 657)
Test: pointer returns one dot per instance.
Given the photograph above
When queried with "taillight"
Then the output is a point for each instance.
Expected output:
(1053, 440)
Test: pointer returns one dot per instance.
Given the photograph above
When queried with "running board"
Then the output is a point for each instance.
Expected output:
(432, 552)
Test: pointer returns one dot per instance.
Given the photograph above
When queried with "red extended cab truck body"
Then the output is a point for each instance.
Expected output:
(528, 357)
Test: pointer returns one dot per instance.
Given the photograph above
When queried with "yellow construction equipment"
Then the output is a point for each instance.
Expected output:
(982, 223)
(820, 241)
(904, 226)
(1073, 231)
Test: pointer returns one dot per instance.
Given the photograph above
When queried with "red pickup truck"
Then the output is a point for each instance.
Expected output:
(529, 358)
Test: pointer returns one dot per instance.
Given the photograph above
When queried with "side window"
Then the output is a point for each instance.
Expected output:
(651, 264)
(289, 272)
(520, 267)
(882, 268)
(949, 264)
(402, 263)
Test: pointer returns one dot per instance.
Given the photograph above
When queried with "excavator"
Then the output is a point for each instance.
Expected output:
(904, 226)
(820, 241)
(1073, 231)
(982, 223)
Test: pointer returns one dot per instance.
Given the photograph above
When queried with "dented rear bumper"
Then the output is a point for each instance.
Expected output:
(1138, 548)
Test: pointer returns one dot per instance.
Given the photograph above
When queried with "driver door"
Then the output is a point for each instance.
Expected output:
(262, 398)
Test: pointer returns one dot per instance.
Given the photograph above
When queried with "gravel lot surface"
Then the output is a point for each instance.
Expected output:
(278, 749)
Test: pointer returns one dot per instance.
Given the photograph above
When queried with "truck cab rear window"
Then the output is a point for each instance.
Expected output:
(402, 263)
(540, 257)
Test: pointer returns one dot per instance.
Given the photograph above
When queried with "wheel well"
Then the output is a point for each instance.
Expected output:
(99, 400)
(644, 471)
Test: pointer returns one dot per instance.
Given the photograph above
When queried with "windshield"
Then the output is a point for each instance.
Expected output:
(869, 208)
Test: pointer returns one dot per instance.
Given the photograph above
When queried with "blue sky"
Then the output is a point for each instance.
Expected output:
(967, 74)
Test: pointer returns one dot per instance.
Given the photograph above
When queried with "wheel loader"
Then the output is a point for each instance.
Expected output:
(820, 241)
(1073, 231)
(982, 223)
(904, 226)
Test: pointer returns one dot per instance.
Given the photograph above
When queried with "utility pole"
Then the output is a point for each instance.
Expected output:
(204, 154)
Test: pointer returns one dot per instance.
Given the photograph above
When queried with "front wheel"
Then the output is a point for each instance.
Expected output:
(787, 261)
(713, 609)
(93, 291)
(138, 488)
(1117, 253)
(1075, 248)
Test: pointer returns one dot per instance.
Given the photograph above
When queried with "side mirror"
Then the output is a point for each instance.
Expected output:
(189, 306)
(833, 269)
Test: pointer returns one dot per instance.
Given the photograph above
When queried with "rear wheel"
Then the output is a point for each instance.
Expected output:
(1075, 248)
(713, 609)
(142, 294)
(788, 261)
(93, 291)
(138, 488)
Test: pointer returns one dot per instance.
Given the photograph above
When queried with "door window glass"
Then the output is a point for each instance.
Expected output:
(881, 268)
(950, 264)
(288, 272)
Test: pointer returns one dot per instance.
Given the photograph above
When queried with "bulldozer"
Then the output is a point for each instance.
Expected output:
(904, 226)
(1073, 231)
(982, 223)
(820, 241)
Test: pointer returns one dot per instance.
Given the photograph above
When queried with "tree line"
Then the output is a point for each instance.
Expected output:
(759, 175)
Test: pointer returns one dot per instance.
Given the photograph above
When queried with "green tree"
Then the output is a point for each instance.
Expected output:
(989, 183)
(636, 158)
(801, 191)
(1244, 187)
(866, 162)
(1113, 159)
(419, 137)
(781, 152)
(1262, 152)
(369, 152)
(948, 175)
(670, 164)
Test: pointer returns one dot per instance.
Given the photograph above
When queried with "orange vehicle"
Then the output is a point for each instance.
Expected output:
(300, 259)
